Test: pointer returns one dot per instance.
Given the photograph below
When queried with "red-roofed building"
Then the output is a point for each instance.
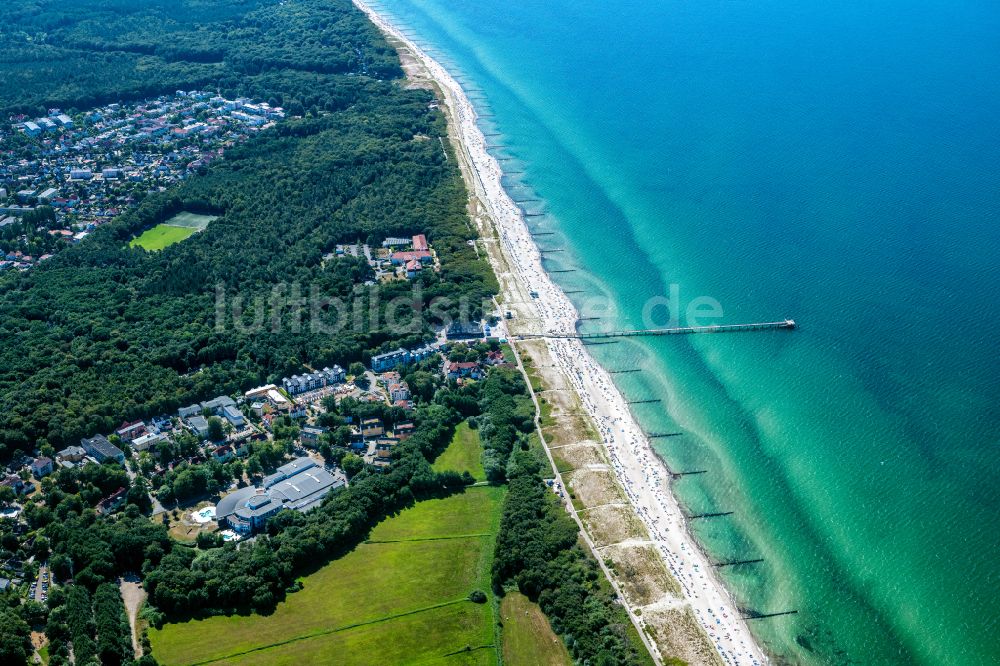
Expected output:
(131, 431)
(494, 357)
(466, 369)
(420, 243)
(400, 258)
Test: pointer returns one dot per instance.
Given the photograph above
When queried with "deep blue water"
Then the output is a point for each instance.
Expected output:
(838, 163)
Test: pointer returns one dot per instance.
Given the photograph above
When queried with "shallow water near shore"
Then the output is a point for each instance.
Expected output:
(836, 165)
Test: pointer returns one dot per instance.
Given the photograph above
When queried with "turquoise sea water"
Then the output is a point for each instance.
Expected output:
(837, 163)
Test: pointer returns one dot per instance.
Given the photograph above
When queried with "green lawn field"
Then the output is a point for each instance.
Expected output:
(528, 639)
(399, 598)
(174, 230)
(435, 636)
(464, 453)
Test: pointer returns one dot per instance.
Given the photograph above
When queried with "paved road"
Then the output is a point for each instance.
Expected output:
(157, 507)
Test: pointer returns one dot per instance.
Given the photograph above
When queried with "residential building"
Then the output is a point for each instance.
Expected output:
(404, 430)
(199, 424)
(312, 434)
(234, 416)
(17, 484)
(495, 358)
(218, 405)
(259, 393)
(73, 454)
(112, 502)
(399, 391)
(280, 402)
(420, 243)
(189, 411)
(223, 453)
(41, 467)
(468, 369)
(270, 393)
(464, 331)
(129, 431)
(390, 360)
(314, 380)
(357, 441)
(421, 353)
(372, 428)
(400, 258)
(147, 441)
(383, 455)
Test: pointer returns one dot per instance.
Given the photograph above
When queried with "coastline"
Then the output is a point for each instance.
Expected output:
(641, 474)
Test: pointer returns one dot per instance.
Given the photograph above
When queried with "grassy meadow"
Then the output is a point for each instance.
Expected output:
(401, 597)
(464, 454)
(528, 639)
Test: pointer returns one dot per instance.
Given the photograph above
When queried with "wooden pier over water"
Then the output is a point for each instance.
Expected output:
(787, 324)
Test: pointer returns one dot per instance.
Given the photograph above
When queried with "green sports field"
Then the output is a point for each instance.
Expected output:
(174, 230)
(401, 597)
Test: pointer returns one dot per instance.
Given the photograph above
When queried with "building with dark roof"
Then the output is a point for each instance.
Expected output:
(464, 331)
(101, 449)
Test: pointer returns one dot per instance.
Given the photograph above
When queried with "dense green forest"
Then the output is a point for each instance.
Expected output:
(103, 333)
(86, 52)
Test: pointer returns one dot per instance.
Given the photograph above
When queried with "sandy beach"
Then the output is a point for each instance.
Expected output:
(642, 475)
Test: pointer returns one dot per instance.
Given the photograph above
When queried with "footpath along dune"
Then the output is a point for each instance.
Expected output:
(642, 475)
